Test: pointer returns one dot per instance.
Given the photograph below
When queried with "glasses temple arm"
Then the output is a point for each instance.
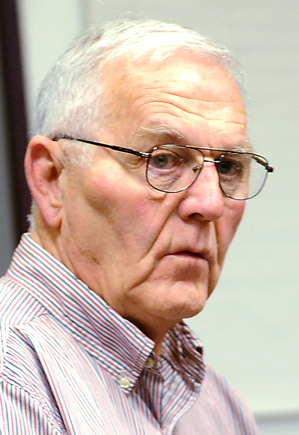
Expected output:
(112, 147)
(264, 163)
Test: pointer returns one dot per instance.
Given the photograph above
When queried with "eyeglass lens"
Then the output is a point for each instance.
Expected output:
(174, 168)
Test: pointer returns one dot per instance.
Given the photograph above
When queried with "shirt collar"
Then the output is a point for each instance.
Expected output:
(118, 344)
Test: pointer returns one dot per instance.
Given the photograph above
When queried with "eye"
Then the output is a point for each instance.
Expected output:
(166, 160)
(173, 168)
(230, 167)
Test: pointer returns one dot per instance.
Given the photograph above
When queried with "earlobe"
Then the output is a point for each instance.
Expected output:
(43, 169)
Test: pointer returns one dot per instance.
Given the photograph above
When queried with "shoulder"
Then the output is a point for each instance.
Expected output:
(17, 306)
(25, 395)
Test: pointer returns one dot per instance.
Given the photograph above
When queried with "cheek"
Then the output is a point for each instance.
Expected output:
(226, 227)
(235, 214)
(123, 205)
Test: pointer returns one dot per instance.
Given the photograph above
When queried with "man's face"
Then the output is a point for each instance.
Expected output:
(155, 257)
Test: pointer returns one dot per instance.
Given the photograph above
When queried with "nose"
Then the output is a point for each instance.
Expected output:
(204, 199)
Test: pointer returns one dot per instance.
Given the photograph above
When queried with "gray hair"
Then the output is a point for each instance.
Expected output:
(71, 96)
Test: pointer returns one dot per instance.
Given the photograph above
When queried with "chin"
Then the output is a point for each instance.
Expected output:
(193, 311)
(188, 303)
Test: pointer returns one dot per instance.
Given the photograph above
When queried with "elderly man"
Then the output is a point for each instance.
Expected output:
(138, 171)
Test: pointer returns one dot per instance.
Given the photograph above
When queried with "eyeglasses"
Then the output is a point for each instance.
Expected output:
(174, 168)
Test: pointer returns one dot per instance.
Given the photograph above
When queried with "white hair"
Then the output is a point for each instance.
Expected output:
(71, 96)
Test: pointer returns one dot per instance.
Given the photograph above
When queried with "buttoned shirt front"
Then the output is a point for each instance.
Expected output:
(71, 365)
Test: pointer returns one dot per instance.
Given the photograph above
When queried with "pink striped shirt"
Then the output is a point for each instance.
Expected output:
(69, 364)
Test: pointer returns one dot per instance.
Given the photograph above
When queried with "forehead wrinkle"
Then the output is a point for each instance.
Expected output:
(188, 90)
(193, 95)
(208, 110)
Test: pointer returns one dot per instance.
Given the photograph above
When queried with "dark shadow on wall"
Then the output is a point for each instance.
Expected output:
(14, 111)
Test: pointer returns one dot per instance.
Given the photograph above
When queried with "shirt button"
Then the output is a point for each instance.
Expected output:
(150, 363)
(124, 383)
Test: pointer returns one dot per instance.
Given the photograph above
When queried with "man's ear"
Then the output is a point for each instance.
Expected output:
(43, 167)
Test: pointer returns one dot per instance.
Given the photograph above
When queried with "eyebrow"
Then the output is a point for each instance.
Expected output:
(159, 130)
(162, 130)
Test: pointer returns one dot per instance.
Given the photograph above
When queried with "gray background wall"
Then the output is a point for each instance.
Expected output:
(250, 326)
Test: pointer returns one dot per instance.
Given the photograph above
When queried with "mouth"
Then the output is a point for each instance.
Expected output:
(187, 254)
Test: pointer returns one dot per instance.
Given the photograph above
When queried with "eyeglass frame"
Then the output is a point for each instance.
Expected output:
(259, 158)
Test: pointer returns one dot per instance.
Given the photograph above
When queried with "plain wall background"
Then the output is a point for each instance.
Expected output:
(250, 325)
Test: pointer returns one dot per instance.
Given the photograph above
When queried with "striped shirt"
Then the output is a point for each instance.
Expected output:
(69, 364)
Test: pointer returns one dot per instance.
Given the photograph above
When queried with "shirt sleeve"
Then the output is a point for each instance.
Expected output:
(21, 414)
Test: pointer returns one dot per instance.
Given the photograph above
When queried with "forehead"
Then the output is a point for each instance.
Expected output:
(185, 88)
